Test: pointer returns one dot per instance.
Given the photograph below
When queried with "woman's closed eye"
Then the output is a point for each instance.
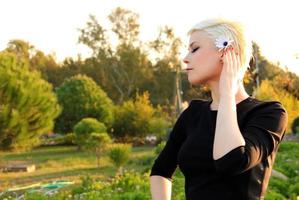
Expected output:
(195, 49)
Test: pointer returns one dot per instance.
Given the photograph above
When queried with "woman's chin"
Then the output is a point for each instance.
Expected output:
(194, 81)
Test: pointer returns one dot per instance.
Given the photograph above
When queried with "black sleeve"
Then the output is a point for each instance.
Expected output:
(166, 162)
(262, 133)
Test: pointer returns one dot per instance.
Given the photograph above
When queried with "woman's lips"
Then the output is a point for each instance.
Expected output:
(189, 69)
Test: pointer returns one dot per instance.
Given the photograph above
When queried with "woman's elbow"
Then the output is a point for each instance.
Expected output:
(160, 187)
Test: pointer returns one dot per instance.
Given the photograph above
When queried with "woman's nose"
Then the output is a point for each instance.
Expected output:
(185, 60)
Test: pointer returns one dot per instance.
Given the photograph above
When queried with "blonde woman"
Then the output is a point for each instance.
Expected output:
(225, 147)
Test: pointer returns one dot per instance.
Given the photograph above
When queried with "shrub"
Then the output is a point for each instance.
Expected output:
(69, 139)
(81, 98)
(132, 118)
(269, 92)
(159, 127)
(273, 195)
(85, 127)
(119, 154)
(159, 147)
(128, 186)
(138, 118)
(295, 126)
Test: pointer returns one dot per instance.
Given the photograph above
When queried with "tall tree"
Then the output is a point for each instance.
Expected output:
(28, 106)
(125, 25)
(124, 70)
(21, 48)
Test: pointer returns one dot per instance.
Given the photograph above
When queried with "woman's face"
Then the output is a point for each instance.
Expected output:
(203, 59)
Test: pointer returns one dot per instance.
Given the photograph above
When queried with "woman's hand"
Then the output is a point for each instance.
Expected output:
(230, 74)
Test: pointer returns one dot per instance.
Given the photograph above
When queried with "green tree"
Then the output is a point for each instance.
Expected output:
(39, 61)
(21, 49)
(80, 98)
(85, 128)
(125, 25)
(97, 144)
(123, 71)
(166, 47)
(28, 106)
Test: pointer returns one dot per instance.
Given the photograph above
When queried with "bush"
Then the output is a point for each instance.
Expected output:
(81, 98)
(286, 162)
(295, 126)
(270, 91)
(278, 185)
(119, 154)
(294, 189)
(159, 147)
(84, 129)
(129, 186)
(69, 139)
(137, 119)
(159, 127)
(273, 195)
(132, 118)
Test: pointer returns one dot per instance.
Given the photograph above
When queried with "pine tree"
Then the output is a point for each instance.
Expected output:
(28, 106)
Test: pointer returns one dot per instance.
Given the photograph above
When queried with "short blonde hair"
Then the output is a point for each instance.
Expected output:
(235, 30)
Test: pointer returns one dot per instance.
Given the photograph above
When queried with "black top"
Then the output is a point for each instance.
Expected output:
(241, 174)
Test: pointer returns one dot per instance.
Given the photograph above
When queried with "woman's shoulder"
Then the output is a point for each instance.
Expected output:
(267, 105)
(265, 111)
(251, 105)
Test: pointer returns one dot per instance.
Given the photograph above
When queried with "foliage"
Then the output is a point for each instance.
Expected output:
(119, 154)
(28, 105)
(268, 92)
(133, 118)
(97, 143)
(138, 118)
(287, 163)
(128, 186)
(135, 185)
(85, 128)
(80, 98)
(122, 71)
(295, 126)
(159, 127)
(159, 147)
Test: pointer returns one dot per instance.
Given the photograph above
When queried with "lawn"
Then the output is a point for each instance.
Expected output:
(65, 163)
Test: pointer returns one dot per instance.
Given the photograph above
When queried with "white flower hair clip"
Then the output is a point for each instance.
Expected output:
(223, 42)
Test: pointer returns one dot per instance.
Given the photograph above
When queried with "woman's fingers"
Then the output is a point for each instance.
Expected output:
(234, 62)
(230, 60)
(240, 70)
(226, 61)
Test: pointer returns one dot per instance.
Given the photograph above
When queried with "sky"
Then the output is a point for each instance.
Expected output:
(52, 25)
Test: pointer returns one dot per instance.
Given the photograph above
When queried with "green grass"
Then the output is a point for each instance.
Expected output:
(286, 162)
(65, 163)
